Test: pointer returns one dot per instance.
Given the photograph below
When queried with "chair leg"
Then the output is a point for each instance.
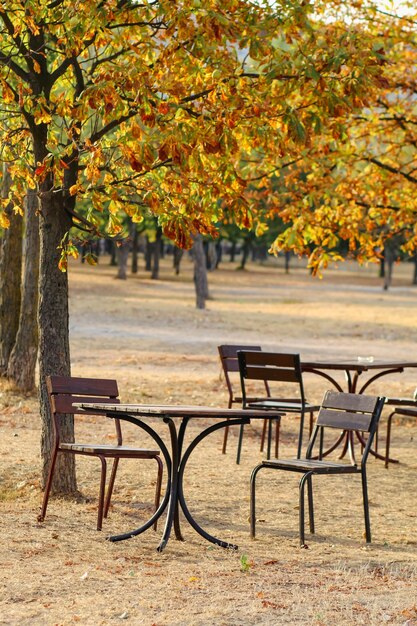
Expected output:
(268, 452)
(253, 500)
(300, 436)
(263, 434)
(111, 485)
(310, 504)
(48, 486)
(277, 431)
(366, 506)
(303, 481)
(239, 444)
(310, 426)
(388, 440)
(225, 437)
(101, 492)
(158, 487)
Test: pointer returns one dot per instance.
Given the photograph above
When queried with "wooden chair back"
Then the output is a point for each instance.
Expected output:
(63, 391)
(230, 364)
(348, 412)
(270, 367)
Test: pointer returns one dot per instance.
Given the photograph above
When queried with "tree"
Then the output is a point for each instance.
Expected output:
(10, 275)
(359, 182)
(163, 106)
(23, 358)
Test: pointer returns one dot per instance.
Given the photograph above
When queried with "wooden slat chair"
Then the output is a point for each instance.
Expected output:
(230, 366)
(404, 407)
(275, 367)
(341, 411)
(63, 391)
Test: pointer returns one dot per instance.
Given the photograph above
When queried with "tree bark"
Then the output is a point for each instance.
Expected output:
(246, 248)
(414, 282)
(10, 279)
(22, 362)
(134, 234)
(177, 254)
(200, 272)
(122, 258)
(54, 352)
(156, 254)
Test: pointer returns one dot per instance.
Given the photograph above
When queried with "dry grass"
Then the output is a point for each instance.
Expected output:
(149, 336)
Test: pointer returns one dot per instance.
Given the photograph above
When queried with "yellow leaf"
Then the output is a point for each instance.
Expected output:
(4, 220)
(73, 190)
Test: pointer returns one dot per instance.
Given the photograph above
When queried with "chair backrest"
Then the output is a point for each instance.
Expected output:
(348, 412)
(64, 390)
(270, 366)
(230, 364)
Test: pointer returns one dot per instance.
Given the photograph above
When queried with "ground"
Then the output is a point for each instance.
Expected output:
(149, 336)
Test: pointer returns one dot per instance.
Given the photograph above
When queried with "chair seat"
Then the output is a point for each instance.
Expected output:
(90, 448)
(289, 407)
(311, 465)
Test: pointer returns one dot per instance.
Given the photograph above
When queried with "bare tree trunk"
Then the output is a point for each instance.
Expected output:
(54, 352)
(414, 282)
(122, 258)
(178, 252)
(134, 234)
(389, 256)
(247, 246)
(22, 362)
(287, 261)
(10, 279)
(200, 272)
(156, 254)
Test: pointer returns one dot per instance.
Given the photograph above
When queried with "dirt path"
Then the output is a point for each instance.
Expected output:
(149, 336)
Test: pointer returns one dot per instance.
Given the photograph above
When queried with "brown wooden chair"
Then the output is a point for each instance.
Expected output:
(340, 411)
(274, 367)
(404, 407)
(230, 366)
(63, 391)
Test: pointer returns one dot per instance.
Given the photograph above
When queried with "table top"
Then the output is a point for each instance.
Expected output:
(360, 364)
(173, 410)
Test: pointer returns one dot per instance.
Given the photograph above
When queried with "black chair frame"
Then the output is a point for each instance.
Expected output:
(274, 367)
(342, 411)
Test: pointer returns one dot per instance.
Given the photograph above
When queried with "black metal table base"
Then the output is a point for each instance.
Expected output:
(176, 462)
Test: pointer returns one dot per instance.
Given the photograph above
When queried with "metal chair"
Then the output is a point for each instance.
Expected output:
(230, 366)
(63, 391)
(404, 407)
(341, 411)
(274, 367)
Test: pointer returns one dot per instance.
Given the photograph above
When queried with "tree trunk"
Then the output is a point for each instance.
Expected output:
(246, 248)
(148, 255)
(178, 252)
(122, 258)
(135, 244)
(287, 256)
(200, 272)
(389, 257)
(233, 252)
(22, 360)
(10, 279)
(157, 246)
(415, 270)
(54, 353)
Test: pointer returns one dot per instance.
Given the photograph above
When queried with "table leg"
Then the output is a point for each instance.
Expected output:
(181, 497)
(164, 503)
(173, 501)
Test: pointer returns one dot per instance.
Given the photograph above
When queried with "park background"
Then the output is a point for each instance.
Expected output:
(150, 337)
